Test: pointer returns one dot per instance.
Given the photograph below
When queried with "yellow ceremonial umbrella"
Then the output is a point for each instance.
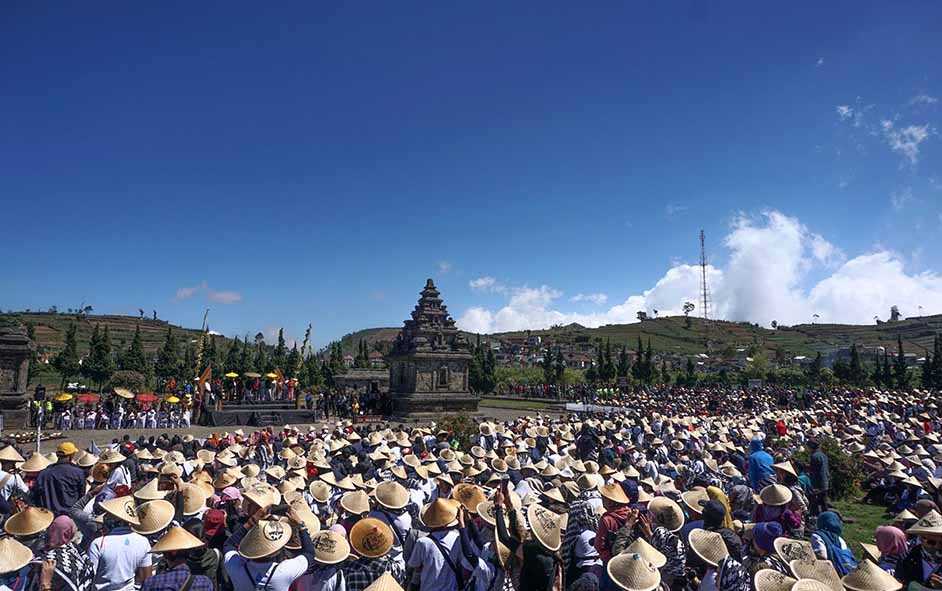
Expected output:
(124, 393)
(252, 374)
(232, 374)
(173, 399)
(271, 375)
(63, 397)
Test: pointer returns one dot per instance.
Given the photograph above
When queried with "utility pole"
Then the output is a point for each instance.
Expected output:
(705, 299)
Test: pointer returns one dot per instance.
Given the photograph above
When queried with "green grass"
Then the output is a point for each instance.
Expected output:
(867, 518)
(514, 404)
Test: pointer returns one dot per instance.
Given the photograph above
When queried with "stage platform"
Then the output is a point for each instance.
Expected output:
(259, 414)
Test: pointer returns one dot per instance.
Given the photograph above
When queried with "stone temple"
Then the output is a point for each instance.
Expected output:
(428, 365)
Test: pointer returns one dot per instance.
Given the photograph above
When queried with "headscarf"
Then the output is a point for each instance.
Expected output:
(60, 532)
(830, 529)
(891, 540)
(765, 533)
(742, 501)
(716, 494)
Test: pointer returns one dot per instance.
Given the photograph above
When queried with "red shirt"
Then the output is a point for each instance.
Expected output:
(609, 525)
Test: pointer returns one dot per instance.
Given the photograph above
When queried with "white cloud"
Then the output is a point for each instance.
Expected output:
(485, 283)
(905, 141)
(765, 278)
(212, 295)
(820, 62)
(923, 99)
(672, 209)
(845, 112)
(900, 197)
(595, 298)
(444, 267)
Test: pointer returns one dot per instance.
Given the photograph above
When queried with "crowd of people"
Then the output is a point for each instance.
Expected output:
(664, 493)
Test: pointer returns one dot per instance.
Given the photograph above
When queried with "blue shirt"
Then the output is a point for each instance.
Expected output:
(173, 579)
(58, 487)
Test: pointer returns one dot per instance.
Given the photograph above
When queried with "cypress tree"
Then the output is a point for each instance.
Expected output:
(280, 356)
(135, 359)
(168, 360)
(67, 360)
(856, 371)
(899, 369)
(232, 356)
(624, 364)
(648, 363)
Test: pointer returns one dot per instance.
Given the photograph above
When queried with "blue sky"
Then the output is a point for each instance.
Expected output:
(317, 161)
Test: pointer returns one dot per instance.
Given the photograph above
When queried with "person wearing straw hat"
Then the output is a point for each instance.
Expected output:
(391, 502)
(617, 514)
(120, 558)
(892, 546)
(437, 559)
(370, 540)
(253, 555)
(60, 485)
(15, 571)
(174, 574)
(715, 568)
(11, 482)
(331, 549)
(923, 563)
(828, 543)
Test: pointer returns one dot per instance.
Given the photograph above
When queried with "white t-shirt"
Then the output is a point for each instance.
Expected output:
(11, 484)
(116, 557)
(120, 476)
(247, 575)
(436, 575)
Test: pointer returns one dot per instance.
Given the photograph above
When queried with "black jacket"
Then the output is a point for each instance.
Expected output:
(909, 569)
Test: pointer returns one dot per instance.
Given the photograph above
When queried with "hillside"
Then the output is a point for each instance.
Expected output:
(670, 334)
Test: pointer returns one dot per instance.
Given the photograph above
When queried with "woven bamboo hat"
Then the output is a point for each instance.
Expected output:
(371, 538)
(150, 491)
(769, 579)
(775, 495)
(13, 555)
(356, 502)
(86, 460)
(819, 570)
(226, 478)
(615, 493)
(123, 508)
(311, 522)
(631, 572)
(647, 551)
(708, 545)
(385, 582)
(177, 539)
(36, 463)
(440, 513)
(810, 585)
(666, 513)
(871, 551)
(930, 524)
(789, 549)
(9, 454)
(29, 521)
(194, 499)
(545, 526)
(263, 495)
(469, 495)
(153, 516)
(692, 498)
(320, 490)
(391, 494)
(330, 547)
(110, 456)
(870, 577)
(267, 537)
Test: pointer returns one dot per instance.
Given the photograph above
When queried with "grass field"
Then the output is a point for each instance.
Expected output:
(866, 519)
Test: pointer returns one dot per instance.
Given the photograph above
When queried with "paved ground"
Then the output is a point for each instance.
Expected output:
(83, 439)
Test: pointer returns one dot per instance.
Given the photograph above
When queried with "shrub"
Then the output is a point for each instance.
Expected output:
(846, 471)
(132, 380)
(462, 428)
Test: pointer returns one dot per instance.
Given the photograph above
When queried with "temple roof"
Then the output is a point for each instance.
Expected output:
(430, 328)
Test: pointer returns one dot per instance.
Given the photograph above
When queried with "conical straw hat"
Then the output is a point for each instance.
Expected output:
(13, 555)
(870, 577)
(819, 570)
(267, 537)
(666, 513)
(708, 545)
(311, 522)
(615, 493)
(440, 513)
(775, 495)
(36, 463)
(789, 549)
(177, 538)
(769, 579)
(648, 552)
(150, 491)
(194, 499)
(931, 523)
(153, 516)
(545, 526)
(110, 456)
(330, 547)
(263, 495)
(385, 582)
(123, 508)
(468, 495)
(810, 585)
(355, 503)
(320, 490)
(29, 521)
(870, 551)
(631, 572)
(391, 494)
(9, 454)
(371, 538)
